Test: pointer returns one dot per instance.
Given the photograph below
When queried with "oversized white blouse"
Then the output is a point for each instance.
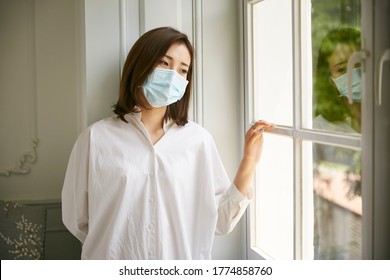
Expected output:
(125, 198)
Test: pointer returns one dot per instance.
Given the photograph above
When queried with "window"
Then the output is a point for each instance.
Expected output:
(308, 202)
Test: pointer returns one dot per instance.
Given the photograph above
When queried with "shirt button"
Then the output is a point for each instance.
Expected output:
(151, 253)
(151, 226)
(151, 200)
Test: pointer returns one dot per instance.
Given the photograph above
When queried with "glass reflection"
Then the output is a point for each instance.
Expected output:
(337, 203)
(331, 108)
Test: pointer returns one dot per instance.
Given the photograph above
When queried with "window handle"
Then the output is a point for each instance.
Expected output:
(385, 56)
(356, 57)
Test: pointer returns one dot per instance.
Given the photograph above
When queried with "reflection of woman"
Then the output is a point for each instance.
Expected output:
(330, 81)
(148, 183)
(332, 112)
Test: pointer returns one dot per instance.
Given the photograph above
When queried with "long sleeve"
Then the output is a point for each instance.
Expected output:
(75, 189)
(231, 202)
(232, 206)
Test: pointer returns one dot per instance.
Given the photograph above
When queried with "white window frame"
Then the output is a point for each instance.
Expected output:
(301, 76)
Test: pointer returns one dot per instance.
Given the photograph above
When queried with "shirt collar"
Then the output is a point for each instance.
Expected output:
(136, 117)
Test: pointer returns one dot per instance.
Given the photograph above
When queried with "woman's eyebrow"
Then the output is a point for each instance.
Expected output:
(171, 58)
(341, 62)
(338, 64)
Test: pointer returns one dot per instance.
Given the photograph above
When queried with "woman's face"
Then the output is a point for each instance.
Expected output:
(177, 58)
(339, 58)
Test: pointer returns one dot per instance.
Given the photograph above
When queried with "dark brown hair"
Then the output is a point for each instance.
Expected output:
(140, 63)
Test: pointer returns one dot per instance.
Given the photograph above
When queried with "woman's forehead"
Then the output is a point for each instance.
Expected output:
(179, 52)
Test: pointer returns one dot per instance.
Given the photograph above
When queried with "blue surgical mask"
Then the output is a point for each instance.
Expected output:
(342, 84)
(164, 87)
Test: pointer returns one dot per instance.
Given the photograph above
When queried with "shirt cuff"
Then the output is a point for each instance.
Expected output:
(237, 197)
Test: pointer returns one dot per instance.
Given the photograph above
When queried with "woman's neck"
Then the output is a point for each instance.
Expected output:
(153, 120)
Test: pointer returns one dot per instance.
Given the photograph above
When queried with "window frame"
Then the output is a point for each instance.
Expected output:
(297, 132)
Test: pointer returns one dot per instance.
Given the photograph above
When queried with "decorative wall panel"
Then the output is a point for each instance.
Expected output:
(18, 106)
(42, 94)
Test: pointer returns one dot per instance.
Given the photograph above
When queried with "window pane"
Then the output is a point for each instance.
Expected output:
(327, 202)
(335, 36)
(337, 202)
(272, 57)
(273, 203)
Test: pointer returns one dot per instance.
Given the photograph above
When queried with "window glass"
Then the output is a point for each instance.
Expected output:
(337, 202)
(307, 202)
(272, 65)
(273, 201)
(335, 36)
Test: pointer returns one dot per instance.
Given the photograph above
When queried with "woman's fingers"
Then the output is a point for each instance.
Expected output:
(258, 128)
(255, 133)
(261, 125)
(254, 140)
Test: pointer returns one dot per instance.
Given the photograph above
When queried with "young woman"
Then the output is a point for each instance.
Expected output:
(331, 108)
(148, 183)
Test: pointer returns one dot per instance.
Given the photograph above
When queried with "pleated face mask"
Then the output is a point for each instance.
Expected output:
(164, 87)
(342, 84)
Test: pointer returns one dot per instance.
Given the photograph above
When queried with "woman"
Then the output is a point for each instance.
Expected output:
(332, 112)
(330, 83)
(147, 183)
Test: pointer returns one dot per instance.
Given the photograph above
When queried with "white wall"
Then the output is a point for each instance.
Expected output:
(103, 68)
(39, 91)
(81, 46)
(221, 106)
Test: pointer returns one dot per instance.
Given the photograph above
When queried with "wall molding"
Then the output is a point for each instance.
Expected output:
(81, 69)
(122, 34)
(197, 33)
(24, 165)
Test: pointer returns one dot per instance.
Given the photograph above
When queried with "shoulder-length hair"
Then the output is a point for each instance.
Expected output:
(140, 63)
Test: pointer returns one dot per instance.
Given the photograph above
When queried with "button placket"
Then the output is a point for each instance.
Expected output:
(151, 224)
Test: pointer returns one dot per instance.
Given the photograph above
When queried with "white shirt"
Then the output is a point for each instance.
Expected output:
(125, 198)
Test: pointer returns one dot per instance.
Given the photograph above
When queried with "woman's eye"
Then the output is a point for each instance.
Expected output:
(164, 63)
(183, 71)
(342, 71)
